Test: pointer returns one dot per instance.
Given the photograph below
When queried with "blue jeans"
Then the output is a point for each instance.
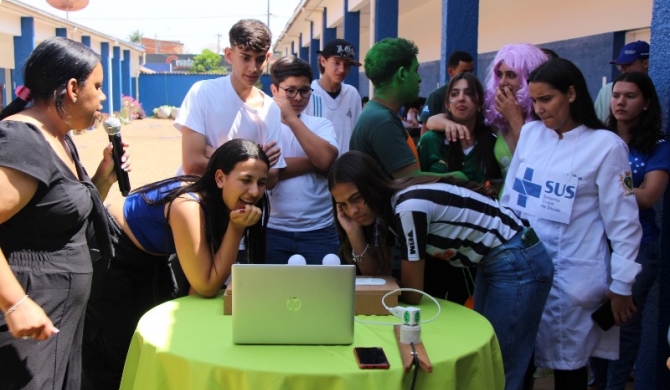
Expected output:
(613, 374)
(313, 245)
(512, 286)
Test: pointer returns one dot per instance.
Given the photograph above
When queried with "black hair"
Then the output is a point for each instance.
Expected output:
(483, 135)
(387, 56)
(250, 34)
(457, 57)
(648, 130)
(48, 69)
(377, 189)
(217, 214)
(550, 53)
(561, 74)
(290, 66)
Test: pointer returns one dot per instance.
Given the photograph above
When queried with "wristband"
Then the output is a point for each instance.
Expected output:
(359, 258)
(16, 305)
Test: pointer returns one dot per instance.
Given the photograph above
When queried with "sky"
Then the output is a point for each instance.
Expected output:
(196, 23)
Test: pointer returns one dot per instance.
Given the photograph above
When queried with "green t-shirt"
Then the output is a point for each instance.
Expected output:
(435, 104)
(503, 155)
(503, 158)
(434, 154)
(380, 134)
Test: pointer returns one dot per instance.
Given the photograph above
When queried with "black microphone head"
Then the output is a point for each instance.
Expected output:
(112, 125)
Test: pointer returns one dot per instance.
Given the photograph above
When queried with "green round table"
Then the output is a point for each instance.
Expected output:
(187, 344)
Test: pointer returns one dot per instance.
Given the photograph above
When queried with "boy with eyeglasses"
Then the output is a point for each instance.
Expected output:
(218, 110)
(301, 219)
(333, 99)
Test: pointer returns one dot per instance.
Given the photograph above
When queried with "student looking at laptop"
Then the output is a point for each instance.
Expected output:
(202, 220)
(217, 110)
(456, 221)
(301, 220)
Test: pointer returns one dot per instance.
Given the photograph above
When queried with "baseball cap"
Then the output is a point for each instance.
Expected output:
(340, 48)
(631, 52)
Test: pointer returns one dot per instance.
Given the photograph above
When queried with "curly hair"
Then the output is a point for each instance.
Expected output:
(250, 34)
(522, 58)
(386, 56)
(648, 130)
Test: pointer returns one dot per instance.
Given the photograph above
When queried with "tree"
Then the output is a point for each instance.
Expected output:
(136, 36)
(207, 62)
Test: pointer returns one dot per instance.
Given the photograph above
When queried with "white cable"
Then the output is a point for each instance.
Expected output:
(439, 309)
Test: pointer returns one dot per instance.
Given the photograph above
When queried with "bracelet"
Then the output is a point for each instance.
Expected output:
(16, 306)
(356, 258)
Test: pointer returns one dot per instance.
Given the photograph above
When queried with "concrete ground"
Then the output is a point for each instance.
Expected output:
(155, 150)
(155, 155)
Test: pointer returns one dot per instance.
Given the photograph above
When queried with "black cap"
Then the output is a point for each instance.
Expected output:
(340, 48)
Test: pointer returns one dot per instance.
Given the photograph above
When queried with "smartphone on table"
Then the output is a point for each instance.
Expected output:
(371, 358)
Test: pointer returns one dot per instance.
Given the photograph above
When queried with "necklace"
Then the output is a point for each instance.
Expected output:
(338, 100)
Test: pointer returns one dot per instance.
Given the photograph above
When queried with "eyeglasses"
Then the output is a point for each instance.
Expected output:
(292, 92)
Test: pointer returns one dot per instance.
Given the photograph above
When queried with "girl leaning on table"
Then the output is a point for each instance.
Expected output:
(572, 181)
(456, 221)
(202, 220)
(47, 201)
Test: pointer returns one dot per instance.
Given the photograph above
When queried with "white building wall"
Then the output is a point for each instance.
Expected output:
(500, 21)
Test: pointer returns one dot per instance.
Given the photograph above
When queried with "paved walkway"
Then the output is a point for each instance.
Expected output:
(155, 147)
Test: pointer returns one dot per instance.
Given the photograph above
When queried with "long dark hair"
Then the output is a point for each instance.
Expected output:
(377, 190)
(48, 69)
(648, 130)
(483, 135)
(562, 74)
(217, 214)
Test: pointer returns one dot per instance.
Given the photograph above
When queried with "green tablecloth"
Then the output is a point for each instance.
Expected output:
(187, 344)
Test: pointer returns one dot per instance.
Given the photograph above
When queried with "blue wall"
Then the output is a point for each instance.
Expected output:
(591, 54)
(363, 83)
(430, 77)
(654, 350)
(170, 88)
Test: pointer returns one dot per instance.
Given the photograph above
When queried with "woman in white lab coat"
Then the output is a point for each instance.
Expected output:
(572, 181)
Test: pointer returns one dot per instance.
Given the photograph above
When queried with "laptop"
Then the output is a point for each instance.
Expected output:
(293, 304)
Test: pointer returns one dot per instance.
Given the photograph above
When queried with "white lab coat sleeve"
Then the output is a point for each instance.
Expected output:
(619, 212)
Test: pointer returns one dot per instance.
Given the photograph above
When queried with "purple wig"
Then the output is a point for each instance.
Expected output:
(522, 58)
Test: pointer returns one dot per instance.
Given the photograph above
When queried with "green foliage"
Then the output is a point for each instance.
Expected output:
(136, 36)
(207, 62)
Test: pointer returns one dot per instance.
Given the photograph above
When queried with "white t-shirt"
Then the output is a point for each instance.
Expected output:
(213, 109)
(302, 203)
(342, 111)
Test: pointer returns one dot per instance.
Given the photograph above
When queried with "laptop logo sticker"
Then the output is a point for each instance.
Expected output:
(293, 304)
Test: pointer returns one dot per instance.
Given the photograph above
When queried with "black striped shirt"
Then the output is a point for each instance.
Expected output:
(451, 223)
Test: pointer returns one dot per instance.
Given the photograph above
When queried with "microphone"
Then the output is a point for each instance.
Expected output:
(113, 128)
(331, 259)
(297, 260)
